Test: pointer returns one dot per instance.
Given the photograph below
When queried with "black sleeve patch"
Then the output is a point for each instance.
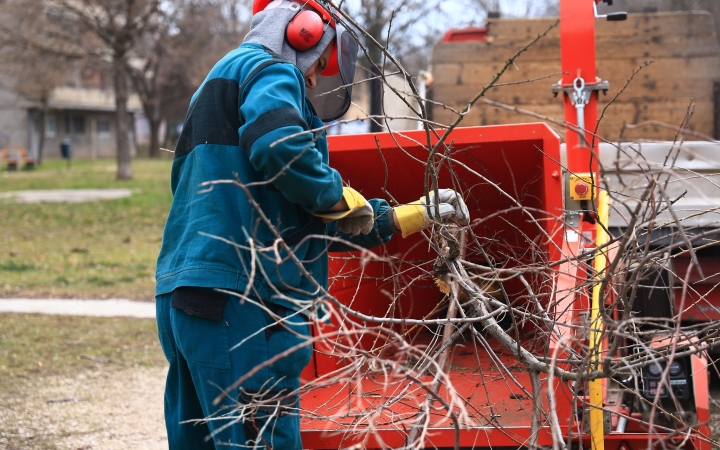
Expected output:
(213, 117)
(268, 121)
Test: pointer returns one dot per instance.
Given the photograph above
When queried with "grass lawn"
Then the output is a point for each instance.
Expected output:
(33, 345)
(97, 249)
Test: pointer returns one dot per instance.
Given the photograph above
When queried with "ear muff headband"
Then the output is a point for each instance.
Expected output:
(260, 5)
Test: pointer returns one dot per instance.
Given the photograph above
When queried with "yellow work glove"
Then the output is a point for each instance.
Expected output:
(414, 216)
(357, 219)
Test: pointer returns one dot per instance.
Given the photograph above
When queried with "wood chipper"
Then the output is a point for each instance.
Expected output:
(493, 336)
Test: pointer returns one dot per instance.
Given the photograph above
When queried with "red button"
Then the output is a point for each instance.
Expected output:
(581, 188)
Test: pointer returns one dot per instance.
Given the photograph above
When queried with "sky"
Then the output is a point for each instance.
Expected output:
(507, 8)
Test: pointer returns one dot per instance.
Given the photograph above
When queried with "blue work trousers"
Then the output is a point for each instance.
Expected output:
(263, 411)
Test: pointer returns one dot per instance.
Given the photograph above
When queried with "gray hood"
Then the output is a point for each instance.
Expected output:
(268, 29)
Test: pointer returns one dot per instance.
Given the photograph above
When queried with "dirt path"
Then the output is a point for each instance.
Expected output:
(102, 409)
(65, 195)
(98, 308)
(106, 409)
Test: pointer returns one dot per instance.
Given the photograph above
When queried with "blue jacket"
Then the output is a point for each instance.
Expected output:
(215, 234)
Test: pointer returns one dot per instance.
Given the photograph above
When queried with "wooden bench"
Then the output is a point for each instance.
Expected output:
(15, 156)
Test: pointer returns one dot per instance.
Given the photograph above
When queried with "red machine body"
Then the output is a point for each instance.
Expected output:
(519, 160)
(478, 34)
(514, 185)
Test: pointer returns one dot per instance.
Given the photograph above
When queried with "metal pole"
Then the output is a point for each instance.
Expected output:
(577, 49)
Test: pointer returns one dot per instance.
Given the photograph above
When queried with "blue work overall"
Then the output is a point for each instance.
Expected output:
(203, 363)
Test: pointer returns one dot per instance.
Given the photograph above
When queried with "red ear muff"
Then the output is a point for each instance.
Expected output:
(304, 30)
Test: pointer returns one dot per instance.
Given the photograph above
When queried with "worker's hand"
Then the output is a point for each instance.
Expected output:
(356, 218)
(414, 216)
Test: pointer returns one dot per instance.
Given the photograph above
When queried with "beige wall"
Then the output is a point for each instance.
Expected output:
(686, 65)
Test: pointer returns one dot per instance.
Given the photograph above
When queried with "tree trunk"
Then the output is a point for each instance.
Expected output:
(122, 127)
(376, 85)
(154, 120)
(41, 139)
(376, 98)
(154, 137)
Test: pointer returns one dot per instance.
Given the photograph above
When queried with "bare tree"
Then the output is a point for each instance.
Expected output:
(118, 25)
(197, 30)
(35, 80)
(34, 62)
(407, 28)
(234, 15)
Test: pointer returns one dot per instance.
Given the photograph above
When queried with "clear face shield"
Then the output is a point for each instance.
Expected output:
(332, 96)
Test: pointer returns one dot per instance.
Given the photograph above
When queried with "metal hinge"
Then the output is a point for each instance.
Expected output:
(579, 94)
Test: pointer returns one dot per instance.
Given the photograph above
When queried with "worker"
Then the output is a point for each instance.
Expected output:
(243, 262)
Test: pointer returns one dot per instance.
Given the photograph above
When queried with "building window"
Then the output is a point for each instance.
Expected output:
(50, 125)
(79, 124)
(67, 124)
(103, 127)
